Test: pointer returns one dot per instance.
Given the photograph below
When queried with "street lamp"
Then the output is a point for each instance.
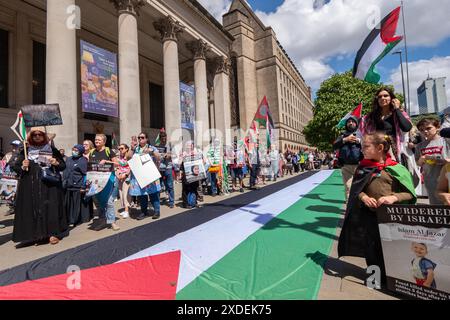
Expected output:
(403, 78)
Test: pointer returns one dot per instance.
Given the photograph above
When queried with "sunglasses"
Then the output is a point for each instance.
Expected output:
(142, 138)
(37, 135)
(383, 96)
(122, 148)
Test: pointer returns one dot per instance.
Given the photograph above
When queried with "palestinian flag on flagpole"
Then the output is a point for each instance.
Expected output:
(263, 113)
(19, 127)
(356, 113)
(377, 45)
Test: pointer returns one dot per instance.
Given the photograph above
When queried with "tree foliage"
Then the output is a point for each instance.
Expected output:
(336, 97)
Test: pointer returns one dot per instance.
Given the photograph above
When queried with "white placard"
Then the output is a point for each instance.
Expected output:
(144, 170)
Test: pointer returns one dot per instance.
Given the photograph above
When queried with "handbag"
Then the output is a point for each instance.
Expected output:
(50, 175)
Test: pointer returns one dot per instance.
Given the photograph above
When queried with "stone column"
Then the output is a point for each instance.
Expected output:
(199, 48)
(169, 30)
(222, 100)
(61, 72)
(129, 84)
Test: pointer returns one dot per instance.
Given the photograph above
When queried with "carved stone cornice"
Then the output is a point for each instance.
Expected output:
(168, 28)
(223, 65)
(199, 48)
(128, 6)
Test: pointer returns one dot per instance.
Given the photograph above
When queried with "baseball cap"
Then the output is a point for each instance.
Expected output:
(16, 143)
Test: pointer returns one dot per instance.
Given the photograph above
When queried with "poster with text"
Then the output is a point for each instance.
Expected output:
(97, 177)
(416, 249)
(99, 83)
(38, 115)
(187, 99)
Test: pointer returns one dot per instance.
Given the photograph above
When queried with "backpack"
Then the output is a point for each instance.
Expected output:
(350, 153)
(107, 151)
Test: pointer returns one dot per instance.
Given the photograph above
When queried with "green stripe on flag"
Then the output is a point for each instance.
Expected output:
(372, 76)
(283, 259)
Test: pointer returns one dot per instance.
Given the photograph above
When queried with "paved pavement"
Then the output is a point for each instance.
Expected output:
(343, 279)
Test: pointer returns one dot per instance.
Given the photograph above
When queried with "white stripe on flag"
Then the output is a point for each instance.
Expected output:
(373, 52)
(202, 246)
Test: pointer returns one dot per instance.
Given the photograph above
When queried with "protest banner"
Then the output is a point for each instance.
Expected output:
(97, 177)
(187, 106)
(38, 115)
(144, 169)
(416, 249)
(194, 168)
(99, 81)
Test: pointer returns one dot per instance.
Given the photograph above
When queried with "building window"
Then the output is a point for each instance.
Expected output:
(156, 106)
(39, 53)
(4, 59)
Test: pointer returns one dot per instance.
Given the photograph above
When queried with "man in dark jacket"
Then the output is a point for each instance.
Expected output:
(349, 148)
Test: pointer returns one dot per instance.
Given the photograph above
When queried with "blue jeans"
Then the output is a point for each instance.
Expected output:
(154, 199)
(108, 212)
(214, 183)
(167, 180)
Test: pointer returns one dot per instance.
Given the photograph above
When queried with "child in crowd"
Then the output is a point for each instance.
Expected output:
(431, 155)
(378, 181)
(422, 268)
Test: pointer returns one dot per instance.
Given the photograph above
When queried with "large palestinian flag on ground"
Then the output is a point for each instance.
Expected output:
(378, 44)
(269, 244)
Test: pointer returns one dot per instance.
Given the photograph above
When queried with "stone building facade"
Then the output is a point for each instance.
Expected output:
(263, 68)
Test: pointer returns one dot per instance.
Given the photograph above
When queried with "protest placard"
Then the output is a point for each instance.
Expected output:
(8, 189)
(416, 249)
(144, 169)
(38, 115)
(97, 177)
(194, 169)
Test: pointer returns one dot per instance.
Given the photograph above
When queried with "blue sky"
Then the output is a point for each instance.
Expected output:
(323, 36)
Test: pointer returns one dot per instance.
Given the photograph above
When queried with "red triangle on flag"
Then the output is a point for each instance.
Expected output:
(357, 111)
(149, 278)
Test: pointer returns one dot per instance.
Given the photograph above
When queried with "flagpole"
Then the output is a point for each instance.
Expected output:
(406, 59)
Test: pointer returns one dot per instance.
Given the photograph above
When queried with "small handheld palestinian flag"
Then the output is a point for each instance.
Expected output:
(19, 127)
(377, 45)
(355, 113)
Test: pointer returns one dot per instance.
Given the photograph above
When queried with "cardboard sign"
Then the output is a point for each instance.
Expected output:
(144, 169)
(97, 178)
(39, 115)
(416, 249)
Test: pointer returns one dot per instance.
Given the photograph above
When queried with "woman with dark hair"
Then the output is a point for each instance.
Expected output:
(153, 189)
(387, 116)
(40, 213)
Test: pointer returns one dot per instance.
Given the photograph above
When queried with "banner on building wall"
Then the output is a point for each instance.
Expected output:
(187, 99)
(416, 249)
(99, 85)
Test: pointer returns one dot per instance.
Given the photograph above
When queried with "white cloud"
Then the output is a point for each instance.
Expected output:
(313, 31)
(418, 71)
(327, 29)
(216, 7)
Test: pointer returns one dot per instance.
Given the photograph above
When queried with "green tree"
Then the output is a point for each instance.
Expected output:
(336, 97)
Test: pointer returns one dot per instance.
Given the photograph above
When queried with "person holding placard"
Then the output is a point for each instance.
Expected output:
(142, 149)
(104, 201)
(166, 167)
(40, 215)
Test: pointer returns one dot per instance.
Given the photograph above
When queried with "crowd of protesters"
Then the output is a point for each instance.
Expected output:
(54, 194)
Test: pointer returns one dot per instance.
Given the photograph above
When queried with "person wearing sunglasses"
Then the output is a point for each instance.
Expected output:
(123, 173)
(40, 216)
(153, 189)
(387, 116)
